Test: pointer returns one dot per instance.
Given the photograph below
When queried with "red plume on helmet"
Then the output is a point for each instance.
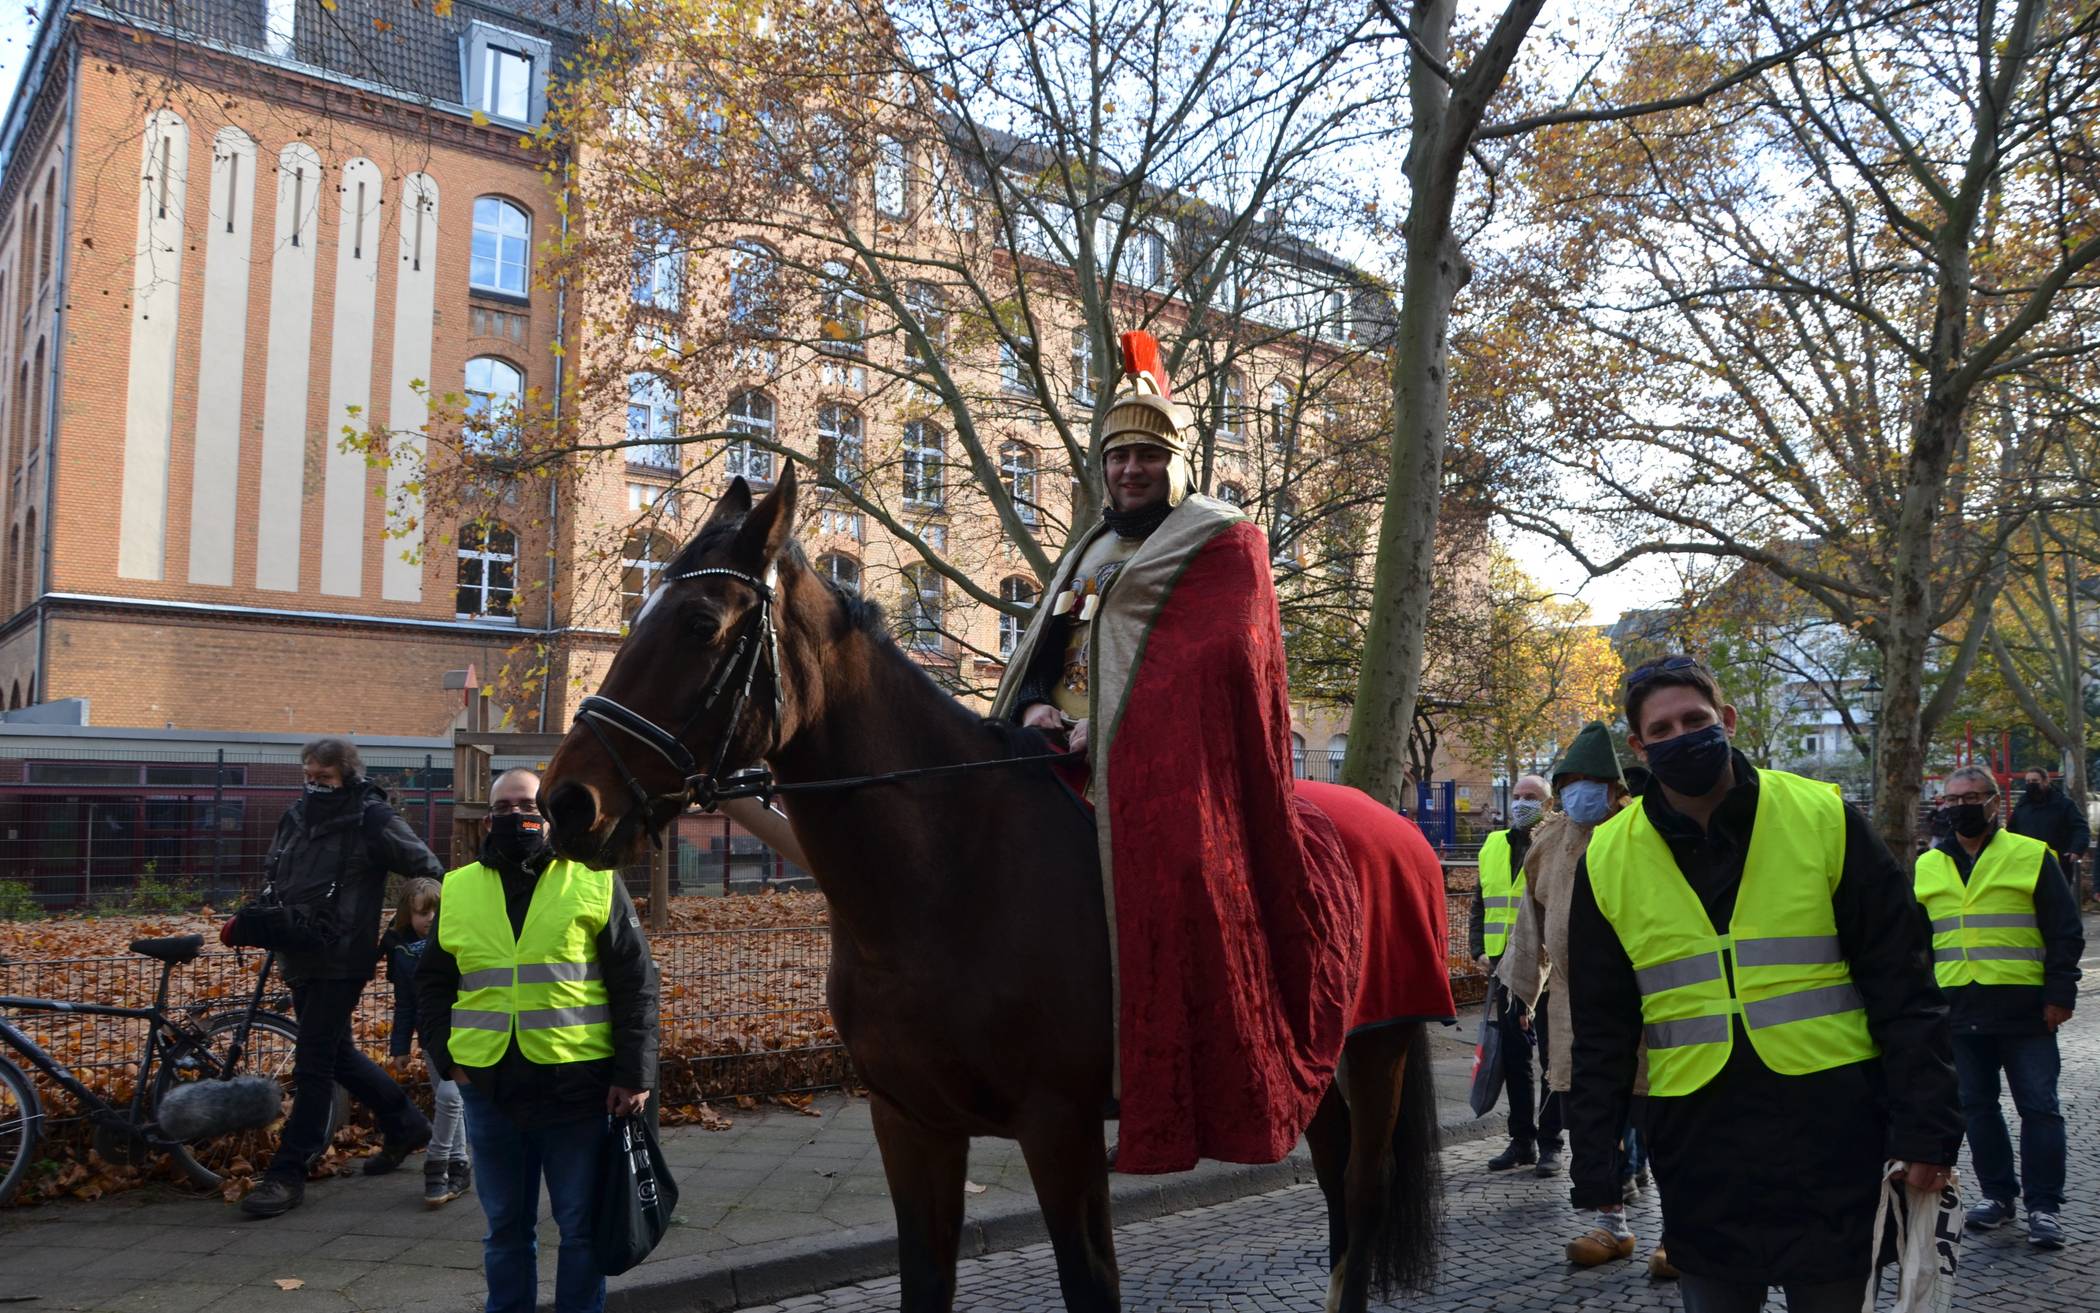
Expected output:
(1141, 356)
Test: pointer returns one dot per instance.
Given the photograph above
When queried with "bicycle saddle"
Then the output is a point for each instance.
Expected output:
(180, 948)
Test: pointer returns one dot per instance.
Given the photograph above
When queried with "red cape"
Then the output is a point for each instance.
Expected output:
(1240, 917)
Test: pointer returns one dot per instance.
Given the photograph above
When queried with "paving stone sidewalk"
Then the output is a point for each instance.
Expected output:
(778, 1205)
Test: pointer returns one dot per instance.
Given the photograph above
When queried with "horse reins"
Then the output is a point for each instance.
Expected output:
(710, 788)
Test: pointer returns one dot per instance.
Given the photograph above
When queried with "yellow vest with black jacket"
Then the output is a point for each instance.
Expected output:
(1779, 965)
(1501, 888)
(1984, 930)
(545, 985)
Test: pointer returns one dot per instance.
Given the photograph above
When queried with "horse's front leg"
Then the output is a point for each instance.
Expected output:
(925, 1170)
(1068, 1159)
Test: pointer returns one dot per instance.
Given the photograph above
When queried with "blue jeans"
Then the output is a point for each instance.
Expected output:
(509, 1161)
(2031, 1064)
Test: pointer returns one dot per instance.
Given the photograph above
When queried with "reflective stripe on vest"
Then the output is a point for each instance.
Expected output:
(1983, 930)
(1501, 889)
(544, 985)
(1780, 967)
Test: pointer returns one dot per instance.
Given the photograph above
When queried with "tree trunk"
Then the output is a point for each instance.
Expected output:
(2074, 686)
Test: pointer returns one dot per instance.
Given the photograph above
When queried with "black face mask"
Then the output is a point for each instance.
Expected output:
(1969, 819)
(516, 837)
(1690, 764)
(2037, 792)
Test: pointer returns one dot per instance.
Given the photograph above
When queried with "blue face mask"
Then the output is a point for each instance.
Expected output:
(1587, 802)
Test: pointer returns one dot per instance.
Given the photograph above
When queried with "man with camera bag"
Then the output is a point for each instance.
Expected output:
(327, 878)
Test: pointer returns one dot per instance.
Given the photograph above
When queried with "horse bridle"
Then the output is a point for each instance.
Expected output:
(708, 789)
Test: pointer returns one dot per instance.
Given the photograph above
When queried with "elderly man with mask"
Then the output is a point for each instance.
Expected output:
(2006, 939)
(538, 995)
(1534, 1118)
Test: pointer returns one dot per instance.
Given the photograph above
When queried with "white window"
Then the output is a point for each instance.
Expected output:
(1015, 592)
(652, 419)
(502, 255)
(926, 305)
(642, 560)
(659, 267)
(642, 496)
(1234, 422)
(1336, 318)
(922, 464)
(923, 599)
(280, 27)
(1280, 417)
(1082, 366)
(1013, 366)
(495, 389)
(1232, 494)
(839, 445)
(506, 84)
(840, 570)
(891, 164)
(842, 312)
(844, 524)
(1297, 755)
(1337, 752)
(1017, 471)
(828, 170)
(488, 559)
(504, 73)
(1148, 259)
(750, 412)
(754, 276)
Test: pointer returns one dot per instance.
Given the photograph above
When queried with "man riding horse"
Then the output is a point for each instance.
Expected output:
(1233, 917)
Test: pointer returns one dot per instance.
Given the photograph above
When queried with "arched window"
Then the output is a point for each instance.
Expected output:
(843, 312)
(750, 411)
(1015, 591)
(923, 606)
(36, 409)
(1082, 366)
(21, 425)
(926, 305)
(1017, 471)
(841, 570)
(642, 560)
(25, 580)
(43, 242)
(754, 287)
(488, 561)
(652, 420)
(1297, 755)
(29, 240)
(1233, 423)
(841, 453)
(1232, 494)
(495, 388)
(1337, 753)
(14, 697)
(14, 556)
(502, 255)
(922, 465)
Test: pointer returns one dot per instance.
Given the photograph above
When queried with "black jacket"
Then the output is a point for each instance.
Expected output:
(402, 954)
(2054, 819)
(531, 1093)
(350, 843)
(2017, 1009)
(1767, 1178)
(1519, 844)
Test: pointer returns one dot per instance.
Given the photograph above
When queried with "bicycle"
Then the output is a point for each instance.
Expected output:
(183, 1045)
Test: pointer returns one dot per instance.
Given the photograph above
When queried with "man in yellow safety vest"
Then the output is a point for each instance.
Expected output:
(538, 995)
(1534, 1116)
(2006, 939)
(1753, 931)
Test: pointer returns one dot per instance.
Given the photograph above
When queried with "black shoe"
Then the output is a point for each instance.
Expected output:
(1519, 1154)
(437, 1184)
(273, 1198)
(1549, 1162)
(461, 1176)
(393, 1152)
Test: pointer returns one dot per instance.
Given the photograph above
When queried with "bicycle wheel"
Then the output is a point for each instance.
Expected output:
(21, 1121)
(271, 1043)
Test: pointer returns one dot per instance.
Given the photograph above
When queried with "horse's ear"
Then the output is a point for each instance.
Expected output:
(732, 505)
(768, 528)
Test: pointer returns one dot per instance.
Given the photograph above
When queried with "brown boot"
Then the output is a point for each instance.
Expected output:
(1659, 1266)
(1598, 1246)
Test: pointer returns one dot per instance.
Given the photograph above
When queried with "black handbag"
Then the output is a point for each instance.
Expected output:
(270, 922)
(635, 1196)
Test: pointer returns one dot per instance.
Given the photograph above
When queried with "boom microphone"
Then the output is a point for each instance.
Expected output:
(205, 1108)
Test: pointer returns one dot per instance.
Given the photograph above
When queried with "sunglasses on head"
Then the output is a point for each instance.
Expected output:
(1641, 674)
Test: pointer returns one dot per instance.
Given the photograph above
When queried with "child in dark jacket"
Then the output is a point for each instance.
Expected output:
(446, 1174)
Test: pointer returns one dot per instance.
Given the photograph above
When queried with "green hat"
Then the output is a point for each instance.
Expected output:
(1590, 754)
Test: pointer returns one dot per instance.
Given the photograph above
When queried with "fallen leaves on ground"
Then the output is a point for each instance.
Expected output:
(288, 1283)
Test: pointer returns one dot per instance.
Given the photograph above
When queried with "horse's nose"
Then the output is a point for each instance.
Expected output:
(574, 810)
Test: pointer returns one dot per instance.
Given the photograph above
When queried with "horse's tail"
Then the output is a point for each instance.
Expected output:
(1405, 1254)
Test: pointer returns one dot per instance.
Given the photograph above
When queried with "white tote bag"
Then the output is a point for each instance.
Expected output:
(1928, 1227)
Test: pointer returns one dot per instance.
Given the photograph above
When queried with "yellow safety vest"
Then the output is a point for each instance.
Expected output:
(1984, 931)
(546, 985)
(1779, 967)
(1499, 893)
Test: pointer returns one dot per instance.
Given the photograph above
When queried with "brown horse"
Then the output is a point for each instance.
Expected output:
(969, 968)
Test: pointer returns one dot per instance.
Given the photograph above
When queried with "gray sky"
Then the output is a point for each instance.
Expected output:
(17, 29)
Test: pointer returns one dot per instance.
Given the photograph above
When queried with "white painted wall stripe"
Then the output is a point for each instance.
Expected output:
(149, 400)
(357, 264)
(415, 310)
(288, 369)
(222, 363)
